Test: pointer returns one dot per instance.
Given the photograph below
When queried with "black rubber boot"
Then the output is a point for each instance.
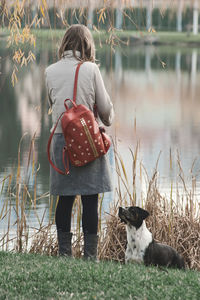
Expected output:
(64, 243)
(90, 246)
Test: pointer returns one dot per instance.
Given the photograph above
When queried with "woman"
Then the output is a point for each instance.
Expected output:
(94, 178)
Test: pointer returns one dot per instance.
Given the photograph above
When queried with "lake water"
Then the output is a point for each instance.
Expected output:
(155, 106)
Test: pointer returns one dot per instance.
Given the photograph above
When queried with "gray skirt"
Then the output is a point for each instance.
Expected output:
(93, 178)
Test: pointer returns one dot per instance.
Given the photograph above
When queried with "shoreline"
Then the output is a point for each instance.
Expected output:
(127, 37)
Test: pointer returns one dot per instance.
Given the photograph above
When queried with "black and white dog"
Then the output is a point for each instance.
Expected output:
(141, 247)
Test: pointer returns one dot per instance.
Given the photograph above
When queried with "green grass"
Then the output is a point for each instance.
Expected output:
(27, 276)
(177, 38)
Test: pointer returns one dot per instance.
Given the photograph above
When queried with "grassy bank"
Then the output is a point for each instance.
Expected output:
(27, 276)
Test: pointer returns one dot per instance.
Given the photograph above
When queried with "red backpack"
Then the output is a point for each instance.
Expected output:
(85, 141)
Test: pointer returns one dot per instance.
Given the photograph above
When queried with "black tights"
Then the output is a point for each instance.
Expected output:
(89, 216)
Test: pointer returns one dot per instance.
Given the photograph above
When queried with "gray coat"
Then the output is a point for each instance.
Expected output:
(94, 177)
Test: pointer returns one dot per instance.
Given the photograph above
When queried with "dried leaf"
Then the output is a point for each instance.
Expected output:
(163, 64)
(102, 15)
(42, 11)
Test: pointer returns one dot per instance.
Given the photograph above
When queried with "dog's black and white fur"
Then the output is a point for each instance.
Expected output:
(141, 247)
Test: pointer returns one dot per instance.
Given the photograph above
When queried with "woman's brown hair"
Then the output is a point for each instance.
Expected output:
(78, 38)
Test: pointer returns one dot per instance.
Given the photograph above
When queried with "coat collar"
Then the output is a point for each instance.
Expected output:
(69, 54)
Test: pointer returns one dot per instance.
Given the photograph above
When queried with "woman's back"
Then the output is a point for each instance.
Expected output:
(90, 91)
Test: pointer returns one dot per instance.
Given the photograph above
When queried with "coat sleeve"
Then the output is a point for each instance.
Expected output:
(49, 90)
(104, 105)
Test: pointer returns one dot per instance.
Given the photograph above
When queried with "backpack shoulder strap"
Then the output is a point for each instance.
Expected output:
(76, 81)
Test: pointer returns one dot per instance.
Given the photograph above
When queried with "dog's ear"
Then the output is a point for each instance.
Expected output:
(142, 212)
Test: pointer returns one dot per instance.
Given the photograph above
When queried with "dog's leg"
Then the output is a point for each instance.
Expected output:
(128, 254)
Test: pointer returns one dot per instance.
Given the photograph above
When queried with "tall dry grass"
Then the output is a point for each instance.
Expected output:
(174, 220)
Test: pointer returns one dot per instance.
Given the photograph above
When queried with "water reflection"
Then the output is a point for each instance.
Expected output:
(162, 102)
